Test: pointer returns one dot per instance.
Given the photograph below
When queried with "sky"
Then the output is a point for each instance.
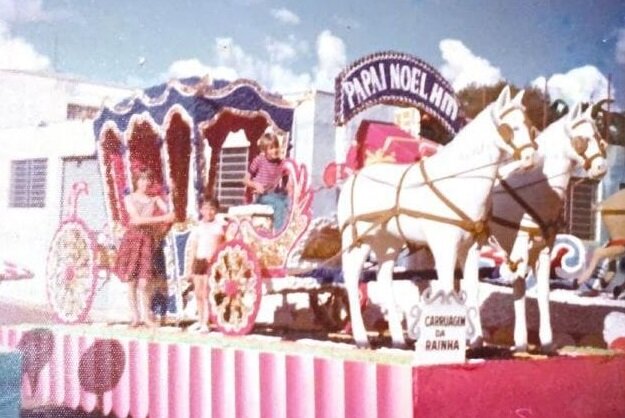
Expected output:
(292, 46)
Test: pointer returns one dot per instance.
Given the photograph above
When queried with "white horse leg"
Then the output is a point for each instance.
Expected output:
(385, 281)
(520, 320)
(542, 286)
(353, 261)
(470, 284)
(445, 253)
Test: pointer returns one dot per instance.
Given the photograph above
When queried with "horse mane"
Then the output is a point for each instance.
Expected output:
(472, 139)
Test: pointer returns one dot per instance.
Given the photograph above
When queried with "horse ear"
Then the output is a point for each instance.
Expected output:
(504, 97)
(518, 99)
(576, 112)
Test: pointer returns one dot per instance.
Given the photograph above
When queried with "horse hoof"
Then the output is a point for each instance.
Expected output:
(362, 344)
(520, 348)
(548, 349)
(476, 343)
(400, 345)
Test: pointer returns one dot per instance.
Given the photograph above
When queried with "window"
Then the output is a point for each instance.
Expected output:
(80, 112)
(28, 183)
(233, 162)
(580, 219)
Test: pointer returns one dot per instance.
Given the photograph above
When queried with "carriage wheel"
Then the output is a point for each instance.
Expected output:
(234, 288)
(331, 308)
(71, 274)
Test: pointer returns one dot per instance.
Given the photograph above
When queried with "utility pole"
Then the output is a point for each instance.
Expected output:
(545, 100)
(55, 53)
(606, 120)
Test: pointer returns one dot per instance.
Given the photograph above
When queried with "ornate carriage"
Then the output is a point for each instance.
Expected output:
(180, 130)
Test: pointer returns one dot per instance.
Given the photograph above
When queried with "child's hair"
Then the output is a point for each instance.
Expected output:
(267, 141)
(143, 172)
(212, 201)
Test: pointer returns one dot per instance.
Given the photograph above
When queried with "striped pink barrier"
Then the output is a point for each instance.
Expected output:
(200, 404)
(88, 400)
(247, 381)
(164, 379)
(71, 359)
(139, 378)
(57, 371)
(120, 396)
(179, 381)
(329, 402)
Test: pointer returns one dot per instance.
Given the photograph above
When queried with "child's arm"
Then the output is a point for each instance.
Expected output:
(247, 179)
(171, 216)
(137, 219)
(255, 186)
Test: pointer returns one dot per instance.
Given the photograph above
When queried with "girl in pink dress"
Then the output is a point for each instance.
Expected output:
(135, 257)
(203, 241)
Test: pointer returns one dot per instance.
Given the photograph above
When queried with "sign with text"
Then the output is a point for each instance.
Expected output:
(395, 79)
(440, 328)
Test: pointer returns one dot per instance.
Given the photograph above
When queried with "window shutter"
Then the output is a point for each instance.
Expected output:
(28, 183)
(233, 163)
(580, 219)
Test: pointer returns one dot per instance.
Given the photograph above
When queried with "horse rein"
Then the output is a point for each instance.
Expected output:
(535, 233)
(479, 229)
(580, 144)
(506, 132)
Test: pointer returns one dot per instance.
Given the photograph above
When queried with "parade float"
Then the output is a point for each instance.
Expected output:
(185, 131)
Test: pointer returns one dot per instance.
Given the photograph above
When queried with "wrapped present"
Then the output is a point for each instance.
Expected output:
(385, 142)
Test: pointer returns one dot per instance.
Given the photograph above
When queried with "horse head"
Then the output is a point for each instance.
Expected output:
(587, 147)
(516, 134)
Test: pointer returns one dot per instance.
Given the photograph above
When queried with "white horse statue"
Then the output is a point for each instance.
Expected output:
(385, 206)
(526, 215)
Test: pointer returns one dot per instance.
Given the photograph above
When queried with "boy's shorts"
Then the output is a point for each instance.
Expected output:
(199, 266)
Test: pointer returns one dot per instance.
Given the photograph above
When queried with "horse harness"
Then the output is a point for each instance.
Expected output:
(478, 229)
(506, 133)
(580, 145)
(537, 234)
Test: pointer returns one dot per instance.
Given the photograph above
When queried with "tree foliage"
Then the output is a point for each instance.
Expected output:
(475, 98)
(540, 109)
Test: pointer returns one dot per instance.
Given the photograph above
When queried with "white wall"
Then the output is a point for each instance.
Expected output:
(26, 233)
(27, 99)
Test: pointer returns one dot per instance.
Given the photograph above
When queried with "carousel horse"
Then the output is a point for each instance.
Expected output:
(526, 215)
(612, 211)
(385, 206)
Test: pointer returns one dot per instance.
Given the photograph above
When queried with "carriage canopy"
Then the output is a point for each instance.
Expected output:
(177, 130)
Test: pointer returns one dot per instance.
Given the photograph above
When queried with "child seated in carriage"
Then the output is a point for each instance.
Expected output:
(137, 250)
(204, 241)
(265, 177)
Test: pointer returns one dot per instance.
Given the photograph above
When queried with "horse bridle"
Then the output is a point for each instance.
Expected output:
(580, 144)
(506, 133)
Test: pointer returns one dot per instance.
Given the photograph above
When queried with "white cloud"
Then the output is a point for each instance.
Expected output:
(17, 54)
(285, 16)
(585, 83)
(193, 67)
(331, 59)
(620, 46)
(462, 67)
(231, 61)
(20, 11)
